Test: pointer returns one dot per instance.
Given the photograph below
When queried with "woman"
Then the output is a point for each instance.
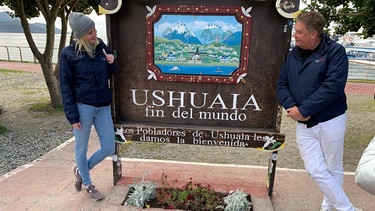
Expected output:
(85, 67)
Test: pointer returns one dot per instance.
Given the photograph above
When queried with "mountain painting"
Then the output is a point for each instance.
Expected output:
(197, 45)
(189, 42)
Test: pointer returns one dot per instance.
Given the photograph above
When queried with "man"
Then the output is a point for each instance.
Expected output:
(311, 89)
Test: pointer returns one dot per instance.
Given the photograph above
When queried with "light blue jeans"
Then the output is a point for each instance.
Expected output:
(322, 150)
(101, 118)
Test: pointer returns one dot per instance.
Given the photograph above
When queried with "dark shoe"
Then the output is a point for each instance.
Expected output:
(78, 179)
(93, 193)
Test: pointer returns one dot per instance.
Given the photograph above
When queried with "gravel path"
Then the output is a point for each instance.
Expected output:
(32, 134)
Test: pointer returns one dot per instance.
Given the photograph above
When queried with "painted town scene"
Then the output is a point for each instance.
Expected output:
(197, 44)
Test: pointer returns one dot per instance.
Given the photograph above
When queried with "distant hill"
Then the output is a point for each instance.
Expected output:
(13, 25)
(234, 39)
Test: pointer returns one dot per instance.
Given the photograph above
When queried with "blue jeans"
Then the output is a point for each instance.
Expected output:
(101, 118)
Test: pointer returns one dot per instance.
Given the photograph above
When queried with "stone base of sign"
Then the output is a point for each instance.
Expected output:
(223, 178)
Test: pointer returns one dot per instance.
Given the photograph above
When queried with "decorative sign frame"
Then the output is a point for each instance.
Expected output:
(172, 58)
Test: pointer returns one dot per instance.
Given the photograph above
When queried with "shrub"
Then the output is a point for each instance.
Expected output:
(192, 196)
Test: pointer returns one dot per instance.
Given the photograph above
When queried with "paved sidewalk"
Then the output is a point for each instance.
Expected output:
(47, 184)
(23, 66)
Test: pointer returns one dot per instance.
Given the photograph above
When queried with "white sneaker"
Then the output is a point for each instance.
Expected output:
(355, 209)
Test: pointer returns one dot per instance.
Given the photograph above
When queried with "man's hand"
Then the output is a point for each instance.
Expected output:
(294, 113)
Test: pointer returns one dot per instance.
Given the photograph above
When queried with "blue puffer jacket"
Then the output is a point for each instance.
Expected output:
(84, 80)
(316, 85)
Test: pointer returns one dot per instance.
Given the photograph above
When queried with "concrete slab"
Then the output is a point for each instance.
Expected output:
(47, 184)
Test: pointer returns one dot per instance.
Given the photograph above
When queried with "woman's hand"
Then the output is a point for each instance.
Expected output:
(77, 125)
(110, 58)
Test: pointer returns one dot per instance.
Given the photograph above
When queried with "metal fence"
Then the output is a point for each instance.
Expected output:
(21, 53)
(362, 70)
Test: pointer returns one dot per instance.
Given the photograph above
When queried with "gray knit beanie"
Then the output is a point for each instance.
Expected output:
(80, 24)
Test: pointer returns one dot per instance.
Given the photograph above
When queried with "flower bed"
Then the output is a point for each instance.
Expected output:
(192, 196)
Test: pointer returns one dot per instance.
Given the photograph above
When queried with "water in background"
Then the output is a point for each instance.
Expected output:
(14, 47)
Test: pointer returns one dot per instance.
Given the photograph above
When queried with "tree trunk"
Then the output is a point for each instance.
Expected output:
(52, 82)
(50, 11)
(45, 58)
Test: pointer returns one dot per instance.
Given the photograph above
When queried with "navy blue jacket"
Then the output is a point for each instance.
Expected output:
(316, 85)
(84, 79)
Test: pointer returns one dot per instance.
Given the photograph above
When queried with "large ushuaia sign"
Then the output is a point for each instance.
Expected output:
(199, 72)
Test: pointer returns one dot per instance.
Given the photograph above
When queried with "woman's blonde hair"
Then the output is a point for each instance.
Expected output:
(83, 45)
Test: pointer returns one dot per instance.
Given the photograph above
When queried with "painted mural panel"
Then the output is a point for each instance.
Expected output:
(198, 43)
